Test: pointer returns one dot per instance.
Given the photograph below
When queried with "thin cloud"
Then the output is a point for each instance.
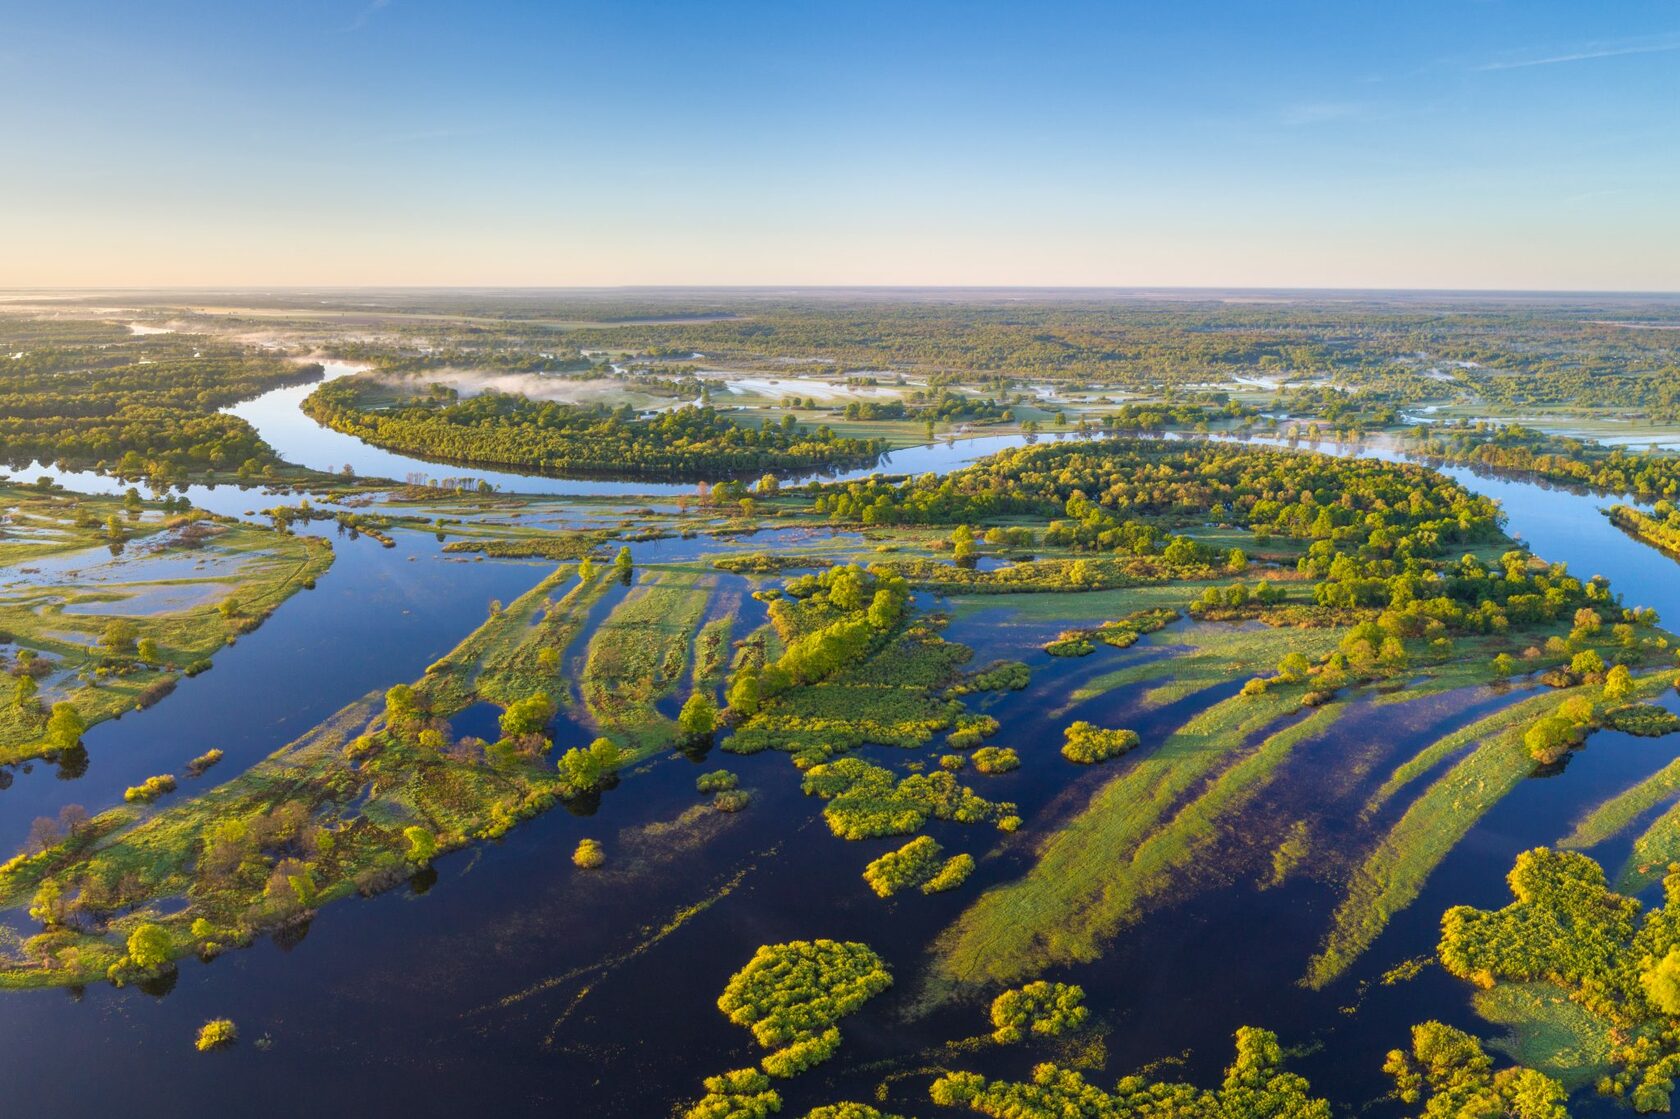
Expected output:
(1584, 55)
(367, 13)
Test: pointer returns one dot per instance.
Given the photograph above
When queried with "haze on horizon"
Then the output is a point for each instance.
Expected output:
(1447, 145)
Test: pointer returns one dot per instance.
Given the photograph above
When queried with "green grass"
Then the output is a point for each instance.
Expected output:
(1394, 872)
(1126, 847)
(1547, 1031)
(1216, 652)
(639, 655)
(1611, 817)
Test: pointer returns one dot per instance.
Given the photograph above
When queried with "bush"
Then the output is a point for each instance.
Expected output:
(1087, 744)
(741, 1094)
(150, 946)
(1644, 719)
(717, 781)
(791, 995)
(996, 759)
(1046, 1009)
(910, 865)
(954, 873)
(588, 855)
(216, 1033)
(150, 789)
(731, 800)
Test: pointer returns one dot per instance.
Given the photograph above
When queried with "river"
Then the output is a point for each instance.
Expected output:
(452, 998)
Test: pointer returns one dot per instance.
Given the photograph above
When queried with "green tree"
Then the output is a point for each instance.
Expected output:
(698, 717)
(65, 725)
(150, 946)
(422, 845)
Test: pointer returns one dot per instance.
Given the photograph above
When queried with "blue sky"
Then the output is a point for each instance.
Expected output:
(1478, 143)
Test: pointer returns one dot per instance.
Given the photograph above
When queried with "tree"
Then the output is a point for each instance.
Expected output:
(65, 726)
(584, 769)
(150, 946)
(148, 650)
(743, 695)
(527, 716)
(698, 717)
(548, 660)
(118, 637)
(622, 566)
(1618, 685)
(422, 845)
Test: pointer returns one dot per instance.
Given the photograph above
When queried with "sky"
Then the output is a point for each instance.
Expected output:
(1505, 144)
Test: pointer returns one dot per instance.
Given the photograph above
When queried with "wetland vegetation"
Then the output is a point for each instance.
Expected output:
(1246, 567)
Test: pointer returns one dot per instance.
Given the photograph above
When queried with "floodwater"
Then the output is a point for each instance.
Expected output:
(510, 983)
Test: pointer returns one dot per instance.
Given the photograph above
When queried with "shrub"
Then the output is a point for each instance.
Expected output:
(203, 762)
(741, 1094)
(1087, 744)
(791, 995)
(422, 844)
(731, 800)
(954, 873)
(996, 759)
(588, 855)
(952, 763)
(1047, 1009)
(910, 865)
(150, 789)
(717, 781)
(216, 1033)
(1644, 719)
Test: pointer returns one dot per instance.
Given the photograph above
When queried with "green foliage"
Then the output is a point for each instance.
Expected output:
(528, 716)
(791, 995)
(1088, 744)
(150, 789)
(588, 854)
(496, 429)
(995, 759)
(422, 844)
(1040, 1007)
(1255, 1085)
(698, 718)
(866, 801)
(910, 865)
(1565, 926)
(717, 781)
(1644, 719)
(150, 946)
(1451, 1076)
(585, 769)
(953, 873)
(215, 1034)
(741, 1094)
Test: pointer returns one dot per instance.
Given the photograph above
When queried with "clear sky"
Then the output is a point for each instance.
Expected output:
(1467, 144)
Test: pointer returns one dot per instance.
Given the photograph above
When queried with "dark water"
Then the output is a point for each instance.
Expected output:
(513, 983)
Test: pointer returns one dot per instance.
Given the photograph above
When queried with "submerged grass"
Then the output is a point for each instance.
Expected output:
(1394, 872)
(1124, 848)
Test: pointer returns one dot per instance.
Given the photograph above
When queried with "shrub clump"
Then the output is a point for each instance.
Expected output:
(1644, 719)
(1043, 1008)
(203, 762)
(717, 781)
(865, 801)
(1087, 744)
(216, 1033)
(910, 865)
(150, 789)
(971, 730)
(954, 873)
(588, 855)
(791, 995)
(996, 759)
(742, 1094)
(731, 800)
